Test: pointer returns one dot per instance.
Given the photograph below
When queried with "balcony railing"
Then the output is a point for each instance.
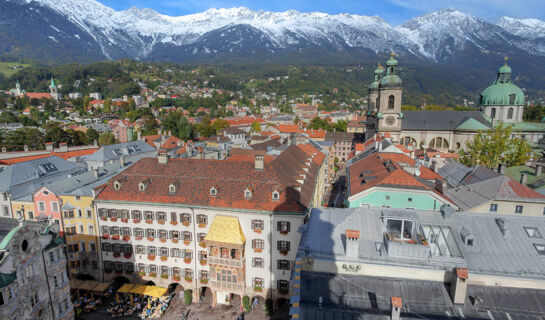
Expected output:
(226, 262)
(227, 285)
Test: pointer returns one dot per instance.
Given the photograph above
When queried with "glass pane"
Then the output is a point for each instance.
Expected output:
(394, 228)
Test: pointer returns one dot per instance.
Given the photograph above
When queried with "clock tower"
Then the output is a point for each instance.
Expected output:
(387, 115)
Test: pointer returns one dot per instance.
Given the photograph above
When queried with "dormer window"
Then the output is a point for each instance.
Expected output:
(117, 185)
(275, 195)
(213, 192)
(141, 186)
(247, 194)
(172, 188)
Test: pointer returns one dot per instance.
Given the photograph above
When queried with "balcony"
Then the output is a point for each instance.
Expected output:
(227, 285)
(226, 262)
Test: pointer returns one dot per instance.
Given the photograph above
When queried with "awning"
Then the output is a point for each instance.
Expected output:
(101, 287)
(126, 288)
(152, 291)
(76, 284)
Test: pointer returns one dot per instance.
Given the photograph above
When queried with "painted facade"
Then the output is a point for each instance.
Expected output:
(47, 203)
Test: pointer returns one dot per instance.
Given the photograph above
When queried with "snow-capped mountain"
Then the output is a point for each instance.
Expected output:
(146, 34)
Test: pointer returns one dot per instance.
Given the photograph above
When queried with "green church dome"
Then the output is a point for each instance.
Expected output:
(379, 71)
(391, 61)
(391, 80)
(502, 92)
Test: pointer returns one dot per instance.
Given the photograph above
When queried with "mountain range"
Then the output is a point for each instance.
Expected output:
(88, 30)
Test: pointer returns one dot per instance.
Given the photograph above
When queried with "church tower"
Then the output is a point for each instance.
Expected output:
(389, 115)
(373, 101)
(53, 90)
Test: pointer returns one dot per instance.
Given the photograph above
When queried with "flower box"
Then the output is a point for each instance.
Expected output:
(138, 238)
(153, 274)
(113, 219)
(119, 272)
(115, 237)
(149, 221)
(202, 225)
(187, 260)
(185, 223)
(162, 239)
(129, 272)
(151, 239)
(126, 237)
(204, 281)
(164, 258)
(108, 271)
(151, 257)
(257, 230)
(141, 273)
(284, 232)
(187, 242)
(161, 221)
(188, 279)
(105, 236)
(127, 255)
(284, 252)
(136, 220)
(164, 276)
(258, 289)
(258, 250)
(176, 278)
(203, 262)
(103, 218)
(174, 240)
(173, 223)
(202, 244)
(117, 254)
(125, 220)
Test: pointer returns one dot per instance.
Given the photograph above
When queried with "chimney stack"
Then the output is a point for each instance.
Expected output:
(441, 185)
(352, 243)
(26, 147)
(63, 146)
(412, 155)
(458, 289)
(95, 173)
(122, 161)
(501, 168)
(539, 168)
(259, 162)
(162, 157)
(523, 178)
(49, 146)
(397, 303)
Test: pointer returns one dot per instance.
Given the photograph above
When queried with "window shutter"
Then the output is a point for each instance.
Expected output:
(279, 225)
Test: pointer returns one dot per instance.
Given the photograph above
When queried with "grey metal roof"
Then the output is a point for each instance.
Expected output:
(116, 151)
(439, 120)
(492, 253)
(6, 225)
(356, 297)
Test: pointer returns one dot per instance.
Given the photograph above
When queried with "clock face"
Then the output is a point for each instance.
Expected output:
(390, 120)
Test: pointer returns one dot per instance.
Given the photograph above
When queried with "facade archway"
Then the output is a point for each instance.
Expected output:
(438, 143)
(493, 113)
(175, 287)
(206, 296)
(408, 141)
(150, 283)
(510, 113)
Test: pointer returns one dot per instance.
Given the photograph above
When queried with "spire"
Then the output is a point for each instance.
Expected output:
(52, 85)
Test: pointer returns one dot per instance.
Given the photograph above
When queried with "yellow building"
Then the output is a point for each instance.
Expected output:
(23, 206)
(82, 243)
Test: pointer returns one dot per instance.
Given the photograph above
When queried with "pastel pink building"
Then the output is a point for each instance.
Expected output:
(46, 203)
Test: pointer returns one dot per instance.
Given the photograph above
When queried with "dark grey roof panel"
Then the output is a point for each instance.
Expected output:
(439, 120)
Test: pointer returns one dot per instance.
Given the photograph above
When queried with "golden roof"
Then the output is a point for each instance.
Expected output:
(226, 229)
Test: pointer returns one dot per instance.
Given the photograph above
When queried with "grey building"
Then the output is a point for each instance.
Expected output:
(128, 152)
(376, 263)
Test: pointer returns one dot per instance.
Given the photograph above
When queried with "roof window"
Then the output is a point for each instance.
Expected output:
(533, 232)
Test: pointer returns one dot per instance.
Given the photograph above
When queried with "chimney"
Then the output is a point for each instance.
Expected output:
(63, 146)
(397, 303)
(380, 147)
(501, 168)
(179, 143)
(352, 243)
(259, 162)
(122, 161)
(95, 143)
(4, 149)
(411, 154)
(95, 173)
(49, 146)
(458, 289)
(26, 147)
(441, 185)
(139, 135)
(523, 178)
(169, 133)
(538, 170)
(162, 156)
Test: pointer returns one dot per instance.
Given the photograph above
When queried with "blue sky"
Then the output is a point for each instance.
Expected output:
(393, 11)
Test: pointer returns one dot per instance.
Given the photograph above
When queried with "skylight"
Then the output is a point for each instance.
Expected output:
(441, 241)
(48, 167)
(532, 232)
(540, 248)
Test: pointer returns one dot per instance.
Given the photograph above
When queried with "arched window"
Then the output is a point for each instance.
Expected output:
(391, 100)
(510, 113)
(438, 143)
(408, 141)
(512, 99)
(493, 113)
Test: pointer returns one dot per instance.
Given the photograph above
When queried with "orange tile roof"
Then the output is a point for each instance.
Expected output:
(171, 143)
(37, 95)
(288, 128)
(65, 155)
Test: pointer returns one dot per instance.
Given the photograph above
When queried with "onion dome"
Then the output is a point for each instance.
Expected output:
(502, 92)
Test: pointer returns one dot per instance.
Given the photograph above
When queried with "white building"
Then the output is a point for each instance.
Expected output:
(229, 226)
